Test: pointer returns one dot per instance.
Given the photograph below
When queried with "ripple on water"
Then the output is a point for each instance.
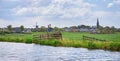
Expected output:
(32, 52)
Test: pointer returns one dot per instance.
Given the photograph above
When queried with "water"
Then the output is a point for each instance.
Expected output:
(33, 52)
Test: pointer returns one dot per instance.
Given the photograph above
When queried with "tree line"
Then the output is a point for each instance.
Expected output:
(101, 29)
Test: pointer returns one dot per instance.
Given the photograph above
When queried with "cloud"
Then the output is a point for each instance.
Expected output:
(64, 8)
(27, 22)
(59, 13)
(116, 2)
(110, 5)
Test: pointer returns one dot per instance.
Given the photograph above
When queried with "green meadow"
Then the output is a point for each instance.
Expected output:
(70, 39)
(78, 36)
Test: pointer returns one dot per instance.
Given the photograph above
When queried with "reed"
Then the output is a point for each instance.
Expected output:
(85, 44)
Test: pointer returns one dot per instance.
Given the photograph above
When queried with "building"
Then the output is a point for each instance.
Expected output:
(27, 30)
(95, 29)
(84, 28)
(50, 29)
(98, 23)
(36, 28)
(17, 30)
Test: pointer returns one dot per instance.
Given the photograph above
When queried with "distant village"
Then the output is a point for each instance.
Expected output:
(98, 29)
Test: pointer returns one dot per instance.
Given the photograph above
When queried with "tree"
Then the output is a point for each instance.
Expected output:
(56, 29)
(74, 27)
(43, 29)
(9, 27)
(88, 27)
(107, 30)
(113, 30)
(83, 26)
(22, 28)
(101, 29)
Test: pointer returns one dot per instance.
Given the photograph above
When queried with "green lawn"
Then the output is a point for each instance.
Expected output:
(78, 36)
(16, 37)
(66, 35)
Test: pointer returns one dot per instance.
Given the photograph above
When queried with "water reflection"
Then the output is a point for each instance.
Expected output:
(32, 52)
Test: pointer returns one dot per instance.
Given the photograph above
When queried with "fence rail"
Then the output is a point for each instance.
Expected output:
(48, 36)
(91, 38)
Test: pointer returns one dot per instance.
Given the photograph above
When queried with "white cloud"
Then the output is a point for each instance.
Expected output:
(110, 5)
(105, 18)
(116, 2)
(20, 11)
(27, 22)
(56, 7)
(60, 13)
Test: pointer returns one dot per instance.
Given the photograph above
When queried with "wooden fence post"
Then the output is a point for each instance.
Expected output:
(47, 36)
(91, 38)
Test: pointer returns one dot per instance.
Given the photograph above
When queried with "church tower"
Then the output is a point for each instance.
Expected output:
(98, 23)
(36, 25)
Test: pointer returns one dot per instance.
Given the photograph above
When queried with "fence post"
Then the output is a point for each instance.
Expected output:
(61, 36)
(47, 36)
(91, 38)
(83, 37)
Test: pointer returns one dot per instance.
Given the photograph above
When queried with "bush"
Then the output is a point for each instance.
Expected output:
(115, 46)
(28, 40)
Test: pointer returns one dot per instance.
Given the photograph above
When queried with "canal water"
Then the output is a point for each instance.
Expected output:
(32, 52)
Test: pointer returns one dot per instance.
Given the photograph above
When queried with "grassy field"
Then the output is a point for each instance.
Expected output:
(78, 36)
(70, 39)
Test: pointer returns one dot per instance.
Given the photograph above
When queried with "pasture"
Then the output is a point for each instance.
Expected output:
(70, 39)
(78, 36)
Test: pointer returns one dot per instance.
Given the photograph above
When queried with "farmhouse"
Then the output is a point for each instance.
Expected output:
(27, 30)
(18, 30)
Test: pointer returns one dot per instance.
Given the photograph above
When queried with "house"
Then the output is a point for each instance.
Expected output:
(50, 29)
(17, 30)
(3, 30)
(67, 29)
(74, 30)
(83, 30)
(93, 30)
(27, 30)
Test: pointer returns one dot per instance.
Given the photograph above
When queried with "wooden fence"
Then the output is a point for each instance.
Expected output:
(48, 36)
(91, 38)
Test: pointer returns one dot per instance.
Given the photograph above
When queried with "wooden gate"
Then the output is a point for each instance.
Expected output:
(48, 36)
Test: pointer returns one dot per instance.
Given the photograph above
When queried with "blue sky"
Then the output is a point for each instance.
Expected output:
(60, 13)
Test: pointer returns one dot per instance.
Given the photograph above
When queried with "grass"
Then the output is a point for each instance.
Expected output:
(70, 39)
(78, 36)
(113, 46)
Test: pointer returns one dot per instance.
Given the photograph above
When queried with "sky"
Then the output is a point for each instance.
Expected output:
(59, 13)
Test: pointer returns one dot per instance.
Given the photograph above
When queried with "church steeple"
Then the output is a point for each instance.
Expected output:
(36, 25)
(98, 23)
